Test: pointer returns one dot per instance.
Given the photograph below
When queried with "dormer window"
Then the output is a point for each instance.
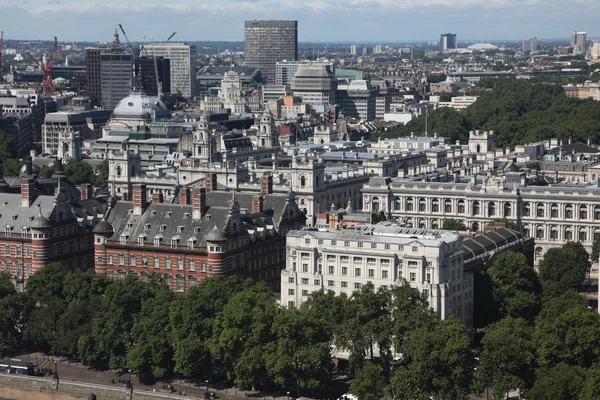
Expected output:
(153, 213)
(162, 228)
(157, 242)
(130, 211)
(7, 230)
(191, 244)
(24, 232)
(180, 229)
(147, 227)
(129, 226)
(169, 214)
(123, 239)
(141, 241)
(186, 215)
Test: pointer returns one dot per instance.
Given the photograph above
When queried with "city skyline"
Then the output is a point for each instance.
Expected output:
(318, 20)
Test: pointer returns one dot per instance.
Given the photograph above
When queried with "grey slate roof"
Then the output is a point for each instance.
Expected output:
(17, 217)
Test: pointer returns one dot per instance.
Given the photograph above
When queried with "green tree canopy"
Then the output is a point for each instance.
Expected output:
(10, 316)
(369, 382)
(566, 267)
(562, 382)
(454, 225)
(508, 359)
(515, 287)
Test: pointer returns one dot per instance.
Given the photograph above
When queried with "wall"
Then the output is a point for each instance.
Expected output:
(13, 387)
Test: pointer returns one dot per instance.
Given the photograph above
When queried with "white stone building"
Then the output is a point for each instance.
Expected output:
(183, 65)
(385, 255)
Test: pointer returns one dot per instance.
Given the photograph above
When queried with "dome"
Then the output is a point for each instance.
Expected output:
(40, 222)
(103, 228)
(140, 106)
(215, 235)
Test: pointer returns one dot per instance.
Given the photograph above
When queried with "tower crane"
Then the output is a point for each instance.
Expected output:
(1, 48)
(47, 69)
(158, 82)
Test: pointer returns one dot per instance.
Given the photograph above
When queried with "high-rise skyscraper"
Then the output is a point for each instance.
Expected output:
(144, 69)
(182, 58)
(532, 45)
(266, 42)
(116, 74)
(578, 42)
(448, 41)
(92, 67)
(354, 50)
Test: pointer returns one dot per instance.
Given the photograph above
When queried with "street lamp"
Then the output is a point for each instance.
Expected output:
(55, 377)
(207, 385)
(129, 387)
(288, 395)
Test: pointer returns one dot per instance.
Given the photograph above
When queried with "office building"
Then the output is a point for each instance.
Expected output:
(209, 78)
(145, 69)
(315, 84)
(532, 45)
(448, 41)
(354, 50)
(182, 58)
(92, 66)
(116, 76)
(377, 49)
(595, 51)
(578, 42)
(266, 42)
(358, 100)
(285, 70)
(274, 92)
(385, 255)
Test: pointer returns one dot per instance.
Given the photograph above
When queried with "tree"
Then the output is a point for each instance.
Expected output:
(453, 225)
(79, 172)
(571, 337)
(439, 363)
(369, 382)
(516, 291)
(299, 357)
(12, 166)
(192, 320)
(6, 145)
(565, 268)
(591, 386)
(150, 357)
(595, 251)
(410, 311)
(243, 333)
(10, 316)
(508, 357)
(101, 179)
(562, 382)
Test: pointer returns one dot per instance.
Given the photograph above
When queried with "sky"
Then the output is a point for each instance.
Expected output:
(318, 20)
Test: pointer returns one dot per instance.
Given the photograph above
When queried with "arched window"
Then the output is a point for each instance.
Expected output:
(179, 283)
(569, 211)
(435, 205)
(447, 206)
(409, 204)
(554, 210)
(475, 208)
(302, 181)
(19, 270)
(597, 212)
(461, 206)
(397, 203)
(507, 210)
(192, 280)
(540, 210)
(121, 274)
(475, 226)
(526, 210)
(422, 205)
(119, 170)
(435, 224)
(583, 235)
(583, 214)
(553, 232)
(491, 209)
(568, 234)
(539, 233)
(132, 260)
(375, 204)
(169, 280)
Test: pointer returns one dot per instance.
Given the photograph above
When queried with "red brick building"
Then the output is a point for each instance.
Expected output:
(204, 233)
(37, 228)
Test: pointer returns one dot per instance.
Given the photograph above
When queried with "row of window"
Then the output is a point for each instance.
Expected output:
(18, 269)
(155, 261)
(179, 279)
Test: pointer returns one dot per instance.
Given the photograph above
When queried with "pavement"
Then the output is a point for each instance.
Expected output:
(77, 372)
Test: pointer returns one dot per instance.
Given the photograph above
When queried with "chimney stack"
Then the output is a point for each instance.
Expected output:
(210, 182)
(28, 167)
(266, 184)
(198, 202)
(157, 197)
(27, 191)
(257, 204)
(184, 195)
(87, 191)
(139, 198)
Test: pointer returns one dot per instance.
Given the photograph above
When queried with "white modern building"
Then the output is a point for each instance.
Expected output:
(385, 255)
(183, 65)
(578, 42)
(315, 84)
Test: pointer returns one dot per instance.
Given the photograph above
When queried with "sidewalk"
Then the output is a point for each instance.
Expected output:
(74, 371)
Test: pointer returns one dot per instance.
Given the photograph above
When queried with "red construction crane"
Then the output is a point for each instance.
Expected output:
(1, 48)
(47, 69)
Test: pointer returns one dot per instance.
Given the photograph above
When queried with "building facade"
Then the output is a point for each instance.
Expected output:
(532, 45)
(316, 84)
(579, 42)
(116, 76)
(448, 41)
(266, 42)
(385, 255)
(205, 234)
(145, 67)
(358, 100)
(183, 63)
(285, 70)
(92, 66)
